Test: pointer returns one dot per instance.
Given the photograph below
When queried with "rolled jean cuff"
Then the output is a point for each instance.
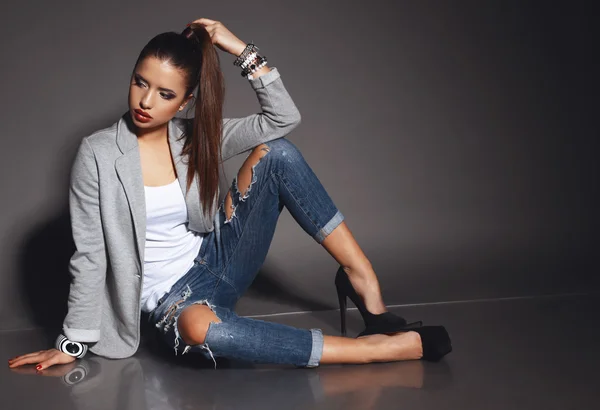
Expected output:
(329, 227)
(317, 348)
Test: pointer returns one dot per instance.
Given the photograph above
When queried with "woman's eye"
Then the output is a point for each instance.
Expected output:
(165, 96)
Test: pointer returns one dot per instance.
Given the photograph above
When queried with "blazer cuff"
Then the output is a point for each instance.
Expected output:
(265, 79)
(82, 335)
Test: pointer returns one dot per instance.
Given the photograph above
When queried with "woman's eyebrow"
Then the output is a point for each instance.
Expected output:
(160, 88)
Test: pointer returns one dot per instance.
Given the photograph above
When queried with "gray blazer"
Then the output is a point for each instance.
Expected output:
(108, 216)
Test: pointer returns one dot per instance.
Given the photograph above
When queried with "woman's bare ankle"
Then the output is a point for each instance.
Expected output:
(365, 282)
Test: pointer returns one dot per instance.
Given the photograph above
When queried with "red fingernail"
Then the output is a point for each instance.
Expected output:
(39, 366)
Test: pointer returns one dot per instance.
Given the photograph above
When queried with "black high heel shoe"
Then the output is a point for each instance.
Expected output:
(386, 322)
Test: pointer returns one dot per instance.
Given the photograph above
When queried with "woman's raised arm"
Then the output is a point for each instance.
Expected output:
(279, 113)
(278, 118)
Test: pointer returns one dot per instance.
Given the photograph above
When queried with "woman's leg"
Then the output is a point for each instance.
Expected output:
(372, 348)
(345, 250)
(275, 175)
(225, 334)
(302, 193)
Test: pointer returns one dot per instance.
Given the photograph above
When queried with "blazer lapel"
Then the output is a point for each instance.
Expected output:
(129, 171)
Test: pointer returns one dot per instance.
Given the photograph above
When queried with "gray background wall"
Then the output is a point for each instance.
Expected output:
(457, 138)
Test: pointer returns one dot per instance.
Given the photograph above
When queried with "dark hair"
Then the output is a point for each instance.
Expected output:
(192, 52)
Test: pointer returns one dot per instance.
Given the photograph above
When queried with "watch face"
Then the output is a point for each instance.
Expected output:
(71, 348)
(75, 349)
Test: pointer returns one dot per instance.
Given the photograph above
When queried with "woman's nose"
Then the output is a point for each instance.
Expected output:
(146, 102)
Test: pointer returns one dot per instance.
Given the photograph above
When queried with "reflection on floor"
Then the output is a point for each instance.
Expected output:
(521, 353)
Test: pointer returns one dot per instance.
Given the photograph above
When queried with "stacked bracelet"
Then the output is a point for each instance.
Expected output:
(250, 61)
(251, 57)
(249, 49)
(256, 65)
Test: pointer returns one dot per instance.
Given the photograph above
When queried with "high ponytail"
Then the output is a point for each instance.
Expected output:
(203, 147)
(193, 53)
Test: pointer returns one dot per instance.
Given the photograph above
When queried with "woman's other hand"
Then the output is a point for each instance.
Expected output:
(221, 36)
(43, 359)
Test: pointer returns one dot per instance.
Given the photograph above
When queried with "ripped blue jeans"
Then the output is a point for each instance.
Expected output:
(232, 254)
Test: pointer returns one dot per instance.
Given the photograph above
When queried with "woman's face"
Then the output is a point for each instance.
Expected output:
(157, 89)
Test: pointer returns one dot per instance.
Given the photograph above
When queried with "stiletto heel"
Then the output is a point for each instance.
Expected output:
(386, 322)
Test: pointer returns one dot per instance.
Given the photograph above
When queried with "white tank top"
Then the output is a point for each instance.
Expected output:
(170, 247)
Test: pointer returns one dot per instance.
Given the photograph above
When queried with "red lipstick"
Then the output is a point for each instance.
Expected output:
(142, 115)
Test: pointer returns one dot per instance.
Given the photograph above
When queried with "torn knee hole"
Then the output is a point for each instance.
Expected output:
(194, 322)
(197, 336)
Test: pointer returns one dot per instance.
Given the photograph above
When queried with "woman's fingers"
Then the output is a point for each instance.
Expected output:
(23, 356)
(209, 25)
(56, 357)
(48, 362)
(26, 355)
(27, 359)
(221, 36)
(43, 359)
(204, 21)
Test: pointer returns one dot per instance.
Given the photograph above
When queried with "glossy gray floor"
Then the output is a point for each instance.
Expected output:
(522, 353)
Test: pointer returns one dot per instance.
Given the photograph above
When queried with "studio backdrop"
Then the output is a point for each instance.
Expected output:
(457, 138)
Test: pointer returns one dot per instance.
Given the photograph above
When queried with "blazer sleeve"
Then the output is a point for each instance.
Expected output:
(88, 264)
(278, 118)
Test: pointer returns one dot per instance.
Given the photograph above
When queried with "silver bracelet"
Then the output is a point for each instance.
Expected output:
(256, 65)
(250, 47)
(251, 57)
(249, 77)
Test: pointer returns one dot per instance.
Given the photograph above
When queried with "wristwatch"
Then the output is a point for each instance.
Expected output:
(75, 349)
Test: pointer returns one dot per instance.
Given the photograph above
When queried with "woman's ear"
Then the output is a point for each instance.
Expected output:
(185, 102)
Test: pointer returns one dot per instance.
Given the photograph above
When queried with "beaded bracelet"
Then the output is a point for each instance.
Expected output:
(250, 61)
(250, 76)
(254, 67)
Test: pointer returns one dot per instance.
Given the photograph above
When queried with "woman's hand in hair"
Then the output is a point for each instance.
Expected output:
(221, 36)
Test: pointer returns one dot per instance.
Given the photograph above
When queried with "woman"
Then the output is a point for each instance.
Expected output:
(148, 186)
